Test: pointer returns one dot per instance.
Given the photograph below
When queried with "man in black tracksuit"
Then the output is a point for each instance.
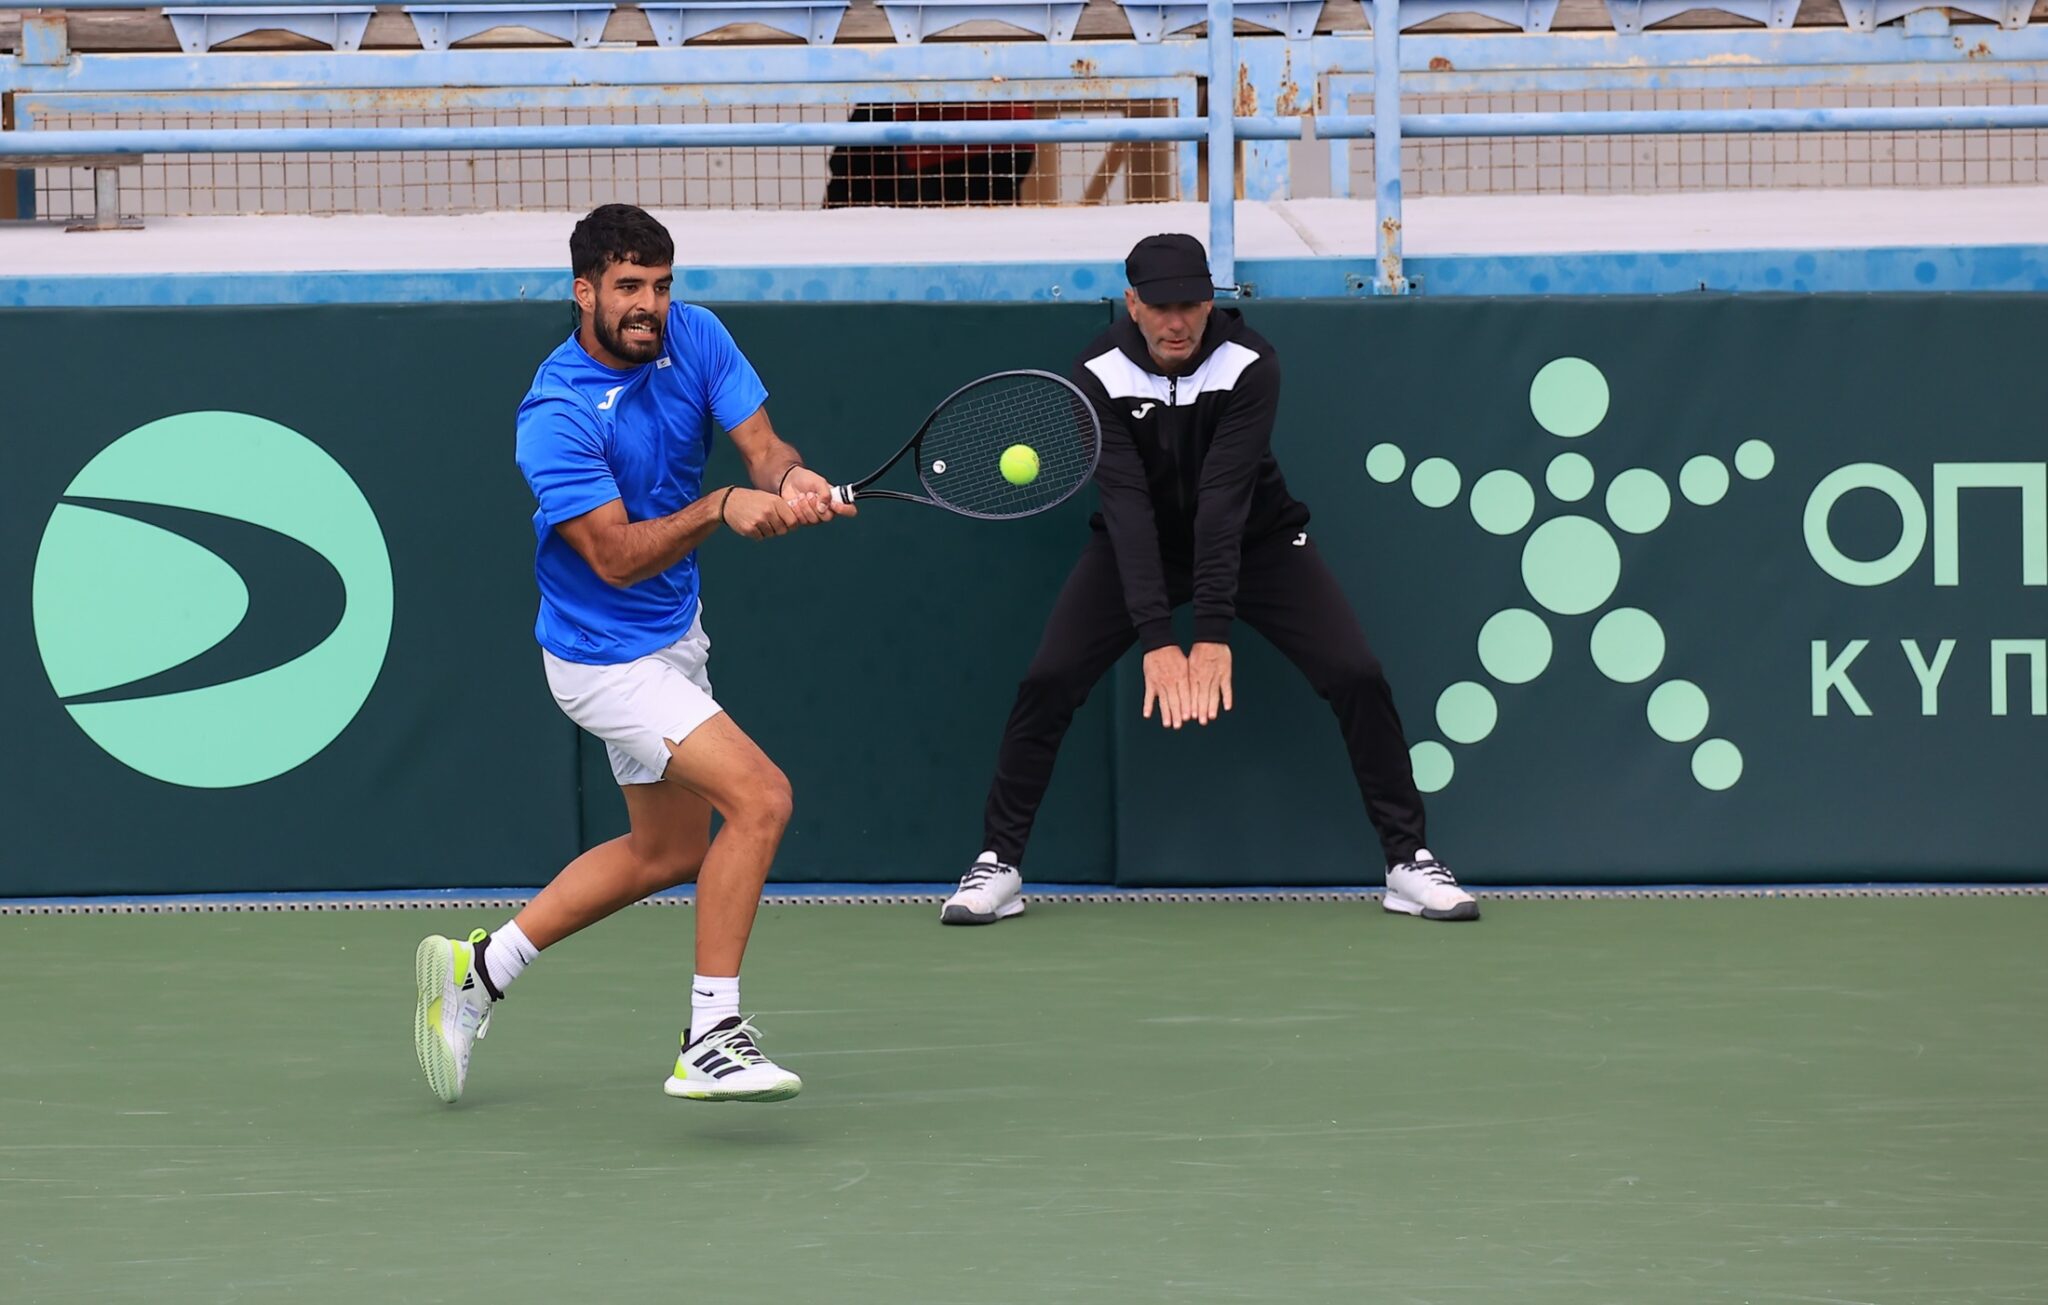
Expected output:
(1194, 509)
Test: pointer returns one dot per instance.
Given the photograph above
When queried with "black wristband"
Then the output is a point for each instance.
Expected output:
(721, 506)
(785, 475)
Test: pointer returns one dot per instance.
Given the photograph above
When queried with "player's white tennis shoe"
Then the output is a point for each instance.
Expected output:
(988, 892)
(1426, 887)
(726, 1064)
(454, 1008)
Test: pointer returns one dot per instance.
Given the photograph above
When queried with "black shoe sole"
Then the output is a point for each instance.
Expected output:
(960, 915)
(1463, 911)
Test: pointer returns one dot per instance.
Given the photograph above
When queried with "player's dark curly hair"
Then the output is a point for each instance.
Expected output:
(618, 233)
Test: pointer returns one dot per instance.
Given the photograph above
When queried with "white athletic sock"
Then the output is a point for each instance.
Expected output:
(712, 1000)
(989, 857)
(510, 953)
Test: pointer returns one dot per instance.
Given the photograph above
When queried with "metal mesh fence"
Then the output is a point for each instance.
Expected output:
(802, 177)
(430, 182)
(1636, 164)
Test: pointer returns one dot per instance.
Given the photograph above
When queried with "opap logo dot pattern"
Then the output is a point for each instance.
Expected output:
(1571, 566)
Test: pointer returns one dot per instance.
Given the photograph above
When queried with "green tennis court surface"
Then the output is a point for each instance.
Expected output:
(1630, 1101)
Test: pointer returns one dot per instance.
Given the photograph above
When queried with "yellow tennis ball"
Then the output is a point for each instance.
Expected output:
(1020, 464)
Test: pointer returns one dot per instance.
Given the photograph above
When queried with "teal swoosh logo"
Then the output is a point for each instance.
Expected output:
(213, 599)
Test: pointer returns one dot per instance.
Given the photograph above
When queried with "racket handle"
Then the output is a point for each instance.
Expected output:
(843, 494)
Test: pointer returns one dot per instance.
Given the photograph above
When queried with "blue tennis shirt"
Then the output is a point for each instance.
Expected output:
(589, 434)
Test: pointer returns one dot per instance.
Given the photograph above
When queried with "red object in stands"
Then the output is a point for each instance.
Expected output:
(920, 158)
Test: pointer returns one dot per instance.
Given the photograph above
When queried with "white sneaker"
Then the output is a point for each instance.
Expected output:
(1426, 887)
(454, 1009)
(727, 1065)
(988, 892)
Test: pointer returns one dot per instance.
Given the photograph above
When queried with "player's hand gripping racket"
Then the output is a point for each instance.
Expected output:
(1008, 445)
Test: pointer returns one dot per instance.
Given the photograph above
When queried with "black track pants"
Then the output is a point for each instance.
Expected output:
(1287, 593)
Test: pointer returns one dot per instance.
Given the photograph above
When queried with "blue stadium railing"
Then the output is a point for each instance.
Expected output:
(1879, 42)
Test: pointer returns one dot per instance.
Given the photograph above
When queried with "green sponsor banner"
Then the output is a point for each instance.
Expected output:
(1681, 589)
(266, 604)
(264, 599)
(1699, 588)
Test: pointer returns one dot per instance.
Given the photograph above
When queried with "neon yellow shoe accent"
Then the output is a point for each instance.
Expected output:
(465, 955)
(733, 1070)
(433, 968)
(443, 967)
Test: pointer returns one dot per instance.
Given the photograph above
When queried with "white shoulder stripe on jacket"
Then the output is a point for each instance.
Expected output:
(1124, 379)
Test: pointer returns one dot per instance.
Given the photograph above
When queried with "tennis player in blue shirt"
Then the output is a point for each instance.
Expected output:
(612, 440)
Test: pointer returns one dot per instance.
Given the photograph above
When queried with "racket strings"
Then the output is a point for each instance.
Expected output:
(960, 453)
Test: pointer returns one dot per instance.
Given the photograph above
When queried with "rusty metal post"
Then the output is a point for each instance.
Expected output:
(1386, 144)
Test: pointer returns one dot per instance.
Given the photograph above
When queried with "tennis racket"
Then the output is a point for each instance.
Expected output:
(959, 451)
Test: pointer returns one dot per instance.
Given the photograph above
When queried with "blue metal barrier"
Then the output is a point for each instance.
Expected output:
(1222, 147)
(1254, 85)
(626, 136)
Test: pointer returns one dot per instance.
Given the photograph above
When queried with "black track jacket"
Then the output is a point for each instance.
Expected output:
(1187, 473)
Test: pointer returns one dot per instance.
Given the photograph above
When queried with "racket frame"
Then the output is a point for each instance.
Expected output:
(856, 490)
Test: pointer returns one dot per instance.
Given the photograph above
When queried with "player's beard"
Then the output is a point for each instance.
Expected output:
(634, 349)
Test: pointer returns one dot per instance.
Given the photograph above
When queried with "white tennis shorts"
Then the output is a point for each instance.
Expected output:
(636, 707)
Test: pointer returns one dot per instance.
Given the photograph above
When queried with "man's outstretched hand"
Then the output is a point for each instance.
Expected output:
(1188, 687)
(1209, 681)
(1166, 683)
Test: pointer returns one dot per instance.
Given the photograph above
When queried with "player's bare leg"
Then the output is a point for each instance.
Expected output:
(461, 979)
(669, 842)
(731, 772)
(720, 1060)
(669, 835)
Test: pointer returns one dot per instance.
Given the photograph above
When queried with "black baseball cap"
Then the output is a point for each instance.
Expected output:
(1170, 269)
